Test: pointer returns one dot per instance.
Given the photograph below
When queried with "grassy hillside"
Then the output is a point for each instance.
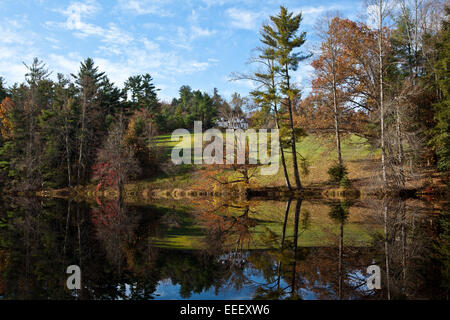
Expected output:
(319, 152)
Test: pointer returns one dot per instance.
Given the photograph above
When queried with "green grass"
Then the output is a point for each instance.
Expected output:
(319, 152)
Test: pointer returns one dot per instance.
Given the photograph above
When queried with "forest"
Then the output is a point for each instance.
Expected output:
(386, 82)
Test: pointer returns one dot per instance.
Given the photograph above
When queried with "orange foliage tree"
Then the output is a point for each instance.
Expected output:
(6, 126)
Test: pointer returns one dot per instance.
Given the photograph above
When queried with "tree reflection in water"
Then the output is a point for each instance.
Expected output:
(244, 250)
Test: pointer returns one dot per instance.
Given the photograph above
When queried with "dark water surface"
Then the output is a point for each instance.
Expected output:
(218, 249)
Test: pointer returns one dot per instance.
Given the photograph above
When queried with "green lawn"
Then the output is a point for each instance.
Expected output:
(319, 152)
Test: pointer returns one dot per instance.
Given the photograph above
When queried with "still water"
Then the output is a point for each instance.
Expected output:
(220, 249)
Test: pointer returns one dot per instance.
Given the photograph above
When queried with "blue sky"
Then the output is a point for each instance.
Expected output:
(190, 42)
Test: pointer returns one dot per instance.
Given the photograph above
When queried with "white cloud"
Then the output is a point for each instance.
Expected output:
(311, 14)
(183, 38)
(10, 35)
(146, 7)
(116, 36)
(78, 10)
(150, 45)
(65, 64)
(119, 53)
(304, 74)
(76, 13)
(16, 47)
(243, 19)
(162, 65)
(200, 32)
(196, 30)
(211, 3)
(12, 71)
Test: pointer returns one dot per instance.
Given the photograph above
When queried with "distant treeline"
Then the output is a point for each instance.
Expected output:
(63, 132)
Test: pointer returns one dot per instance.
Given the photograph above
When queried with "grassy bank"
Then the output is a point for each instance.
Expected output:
(319, 152)
(361, 160)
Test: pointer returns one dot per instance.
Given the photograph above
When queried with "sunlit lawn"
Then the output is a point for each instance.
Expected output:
(319, 152)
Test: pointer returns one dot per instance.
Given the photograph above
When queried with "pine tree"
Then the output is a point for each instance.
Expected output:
(3, 89)
(283, 36)
(88, 81)
(267, 95)
(143, 93)
(38, 99)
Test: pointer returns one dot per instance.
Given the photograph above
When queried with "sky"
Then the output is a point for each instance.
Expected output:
(199, 43)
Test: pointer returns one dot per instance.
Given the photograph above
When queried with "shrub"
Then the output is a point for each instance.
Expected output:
(338, 174)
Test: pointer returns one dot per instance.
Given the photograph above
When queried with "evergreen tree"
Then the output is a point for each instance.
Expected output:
(3, 89)
(38, 99)
(441, 138)
(88, 81)
(143, 93)
(111, 100)
(283, 37)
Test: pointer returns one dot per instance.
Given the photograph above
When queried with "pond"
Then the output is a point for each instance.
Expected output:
(213, 248)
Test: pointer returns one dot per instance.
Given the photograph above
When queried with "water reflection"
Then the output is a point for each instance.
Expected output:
(220, 249)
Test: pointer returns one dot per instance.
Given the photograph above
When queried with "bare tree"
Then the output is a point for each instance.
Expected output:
(380, 10)
(116, 162)
(330, 69)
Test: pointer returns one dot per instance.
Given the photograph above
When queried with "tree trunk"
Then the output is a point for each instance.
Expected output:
(386, 247)
(291, 122)
(283, 159)
(341, 250)
(400, 148)
(80, 156)
(69, 175)
(286, 215)
(277, 121)
(380, 56)
(283, 236)
(336, 121)
(296, 223)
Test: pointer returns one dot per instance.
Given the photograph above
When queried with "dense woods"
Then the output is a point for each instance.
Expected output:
(63, 132)
(387, 81)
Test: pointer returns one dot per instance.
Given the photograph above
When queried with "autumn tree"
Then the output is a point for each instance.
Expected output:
(332, 71)
(236, 172)
(368, 67)
(6, 106)
(139, 136)
(116, 162)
